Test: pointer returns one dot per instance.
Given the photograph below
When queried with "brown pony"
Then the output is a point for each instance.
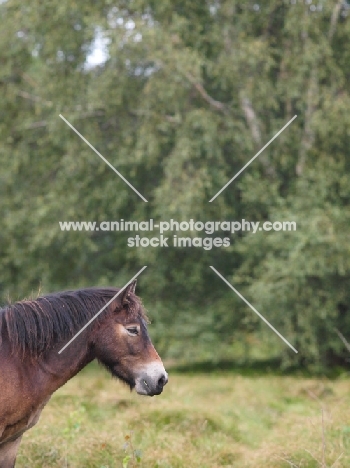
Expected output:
(31, 369)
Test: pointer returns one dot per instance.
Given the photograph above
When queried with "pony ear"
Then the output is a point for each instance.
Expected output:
(130, 289)
(133, 286)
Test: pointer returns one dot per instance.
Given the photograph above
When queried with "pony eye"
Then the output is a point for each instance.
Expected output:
(133, 331)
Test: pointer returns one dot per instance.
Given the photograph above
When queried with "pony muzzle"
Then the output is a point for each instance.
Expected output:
(151, 380)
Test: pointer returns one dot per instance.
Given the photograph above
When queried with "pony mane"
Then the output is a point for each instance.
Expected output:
(34, 326)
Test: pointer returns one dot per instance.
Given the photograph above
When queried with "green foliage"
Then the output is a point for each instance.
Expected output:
(133, 458)
(188, 93)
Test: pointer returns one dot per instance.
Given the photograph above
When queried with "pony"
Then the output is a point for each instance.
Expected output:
(38, 355)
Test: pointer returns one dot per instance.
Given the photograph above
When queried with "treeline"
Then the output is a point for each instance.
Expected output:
(183, 96)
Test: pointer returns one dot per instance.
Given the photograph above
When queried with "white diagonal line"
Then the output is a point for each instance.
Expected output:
(253, 309)
(103, 158)
(101, 310)
(257, 154)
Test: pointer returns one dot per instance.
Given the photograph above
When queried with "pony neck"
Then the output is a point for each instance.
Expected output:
(57, 368)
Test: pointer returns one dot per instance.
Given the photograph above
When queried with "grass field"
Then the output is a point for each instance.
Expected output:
(201, 420)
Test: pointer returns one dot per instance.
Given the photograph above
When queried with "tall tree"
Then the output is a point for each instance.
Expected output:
(186, 95)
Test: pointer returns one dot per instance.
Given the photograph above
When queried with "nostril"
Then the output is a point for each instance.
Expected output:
(162, 381)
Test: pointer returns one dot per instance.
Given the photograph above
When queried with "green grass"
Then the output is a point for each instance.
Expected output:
(201, 420)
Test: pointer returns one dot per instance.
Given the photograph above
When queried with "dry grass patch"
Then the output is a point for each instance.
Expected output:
(200, 421)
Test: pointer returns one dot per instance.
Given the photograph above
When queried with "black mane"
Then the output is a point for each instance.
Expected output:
(33, 326)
